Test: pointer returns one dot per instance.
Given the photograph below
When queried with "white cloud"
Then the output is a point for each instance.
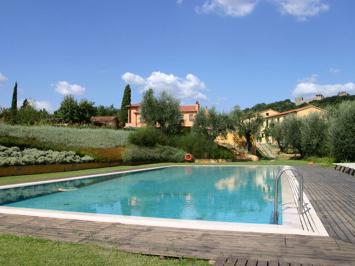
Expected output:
(234, 8)
(3, 78)
(179, 2)
(189, 87)
(334, 70)
(133, 78)
(38, 105)
(310, 87)
(65, 88)
(302, 9)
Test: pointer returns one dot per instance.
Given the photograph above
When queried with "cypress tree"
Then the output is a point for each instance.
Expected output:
(14, 105)
(126, 100)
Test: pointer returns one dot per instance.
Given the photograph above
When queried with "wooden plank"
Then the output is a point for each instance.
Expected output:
(273, 263)
(252, 262)
(241, 262)
(262, 263)
(231, 261)
(220, 261)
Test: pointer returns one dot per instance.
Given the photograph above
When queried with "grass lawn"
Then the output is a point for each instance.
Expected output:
(7, 180)
(33, 251)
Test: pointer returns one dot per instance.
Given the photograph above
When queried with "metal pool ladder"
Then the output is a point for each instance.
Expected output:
(298, 175)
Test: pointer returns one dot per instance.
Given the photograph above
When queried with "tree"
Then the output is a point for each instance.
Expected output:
(315, 135)
(247, 124)
(292, 128)
(342, 132)
(277, 133)
(68, 111)
(169, 116)
(14, 105)
(211, 124)
(26, 103)
(86, 110)
(126, 100)
(107, 111)
(163, 111)
(150, 108)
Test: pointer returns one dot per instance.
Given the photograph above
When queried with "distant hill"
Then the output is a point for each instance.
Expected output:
(280, 106)
(331, 101)
(285, 105)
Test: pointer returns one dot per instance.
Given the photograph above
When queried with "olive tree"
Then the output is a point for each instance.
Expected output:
(342, 132)
(163, 111)
(292, 128)
(247, 124)
(211, 124)
(277, 133)
(314, 135)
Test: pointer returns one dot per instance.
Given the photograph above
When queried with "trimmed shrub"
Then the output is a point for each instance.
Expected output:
(342, 132)
(147, 136)
(158, 153)
(15, 156)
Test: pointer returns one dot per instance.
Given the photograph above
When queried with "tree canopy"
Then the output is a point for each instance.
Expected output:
(163, 111)
(14, 105)
(126, 100)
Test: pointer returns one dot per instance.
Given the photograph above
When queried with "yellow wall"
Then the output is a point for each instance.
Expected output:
(278, 119)
(134, 118)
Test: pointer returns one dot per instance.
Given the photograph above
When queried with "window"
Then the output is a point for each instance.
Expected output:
(191, 117)
(267, 114)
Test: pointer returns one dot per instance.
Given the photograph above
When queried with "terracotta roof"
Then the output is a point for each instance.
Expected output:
(183, 108)
(188, 108)
(296, 110)
(134, 105)
(103, 119)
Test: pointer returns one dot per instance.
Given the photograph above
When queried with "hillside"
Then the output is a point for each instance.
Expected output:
(332, 101)
(285, 105)
(280, 106)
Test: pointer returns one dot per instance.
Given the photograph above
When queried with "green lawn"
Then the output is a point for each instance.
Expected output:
(33, 251)
(6, 180)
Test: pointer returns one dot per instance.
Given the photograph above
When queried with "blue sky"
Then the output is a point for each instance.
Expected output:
(221, 52)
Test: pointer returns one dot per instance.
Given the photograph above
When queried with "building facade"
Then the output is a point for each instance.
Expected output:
(188, 115)
(272, 117)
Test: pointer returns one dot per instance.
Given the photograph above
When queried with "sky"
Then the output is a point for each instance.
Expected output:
(220, 52)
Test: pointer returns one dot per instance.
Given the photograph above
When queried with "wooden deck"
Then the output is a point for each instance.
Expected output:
(331, 192)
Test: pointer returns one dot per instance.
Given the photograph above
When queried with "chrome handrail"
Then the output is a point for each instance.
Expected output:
(300, 191)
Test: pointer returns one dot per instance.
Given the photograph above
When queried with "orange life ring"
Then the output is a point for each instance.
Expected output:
(188, 157)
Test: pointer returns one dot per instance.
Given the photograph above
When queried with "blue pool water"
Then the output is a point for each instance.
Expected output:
(230, 194)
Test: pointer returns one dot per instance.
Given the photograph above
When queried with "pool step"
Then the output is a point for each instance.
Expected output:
(236, 261)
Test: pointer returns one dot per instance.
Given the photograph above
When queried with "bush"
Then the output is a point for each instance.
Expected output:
(66, 137)
(153, 154)
(147, 136)
(15, 156)
(201, 147)
(342, 132)
(314, 135)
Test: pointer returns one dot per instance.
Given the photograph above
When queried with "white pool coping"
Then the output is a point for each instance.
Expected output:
(291, 218)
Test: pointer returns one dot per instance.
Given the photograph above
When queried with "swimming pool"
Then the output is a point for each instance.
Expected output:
(225, 194)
